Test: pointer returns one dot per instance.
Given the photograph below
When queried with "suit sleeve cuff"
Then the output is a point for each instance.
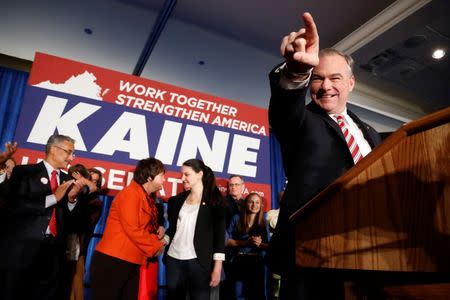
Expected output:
(2, 177)
(50, 200)
(291, 82)
(71, 205)
(219, 256)
(166, 239)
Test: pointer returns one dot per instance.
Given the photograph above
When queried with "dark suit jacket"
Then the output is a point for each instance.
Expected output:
(83, 218)
(209, 237)
(314, 150)
(233, 208)
(27, 218)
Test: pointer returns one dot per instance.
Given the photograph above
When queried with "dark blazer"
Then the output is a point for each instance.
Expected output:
(83, 218)
(27, 218)
(232, 208)
(313, 147)
(209, 237)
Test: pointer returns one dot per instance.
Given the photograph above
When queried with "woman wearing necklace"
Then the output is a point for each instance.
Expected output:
(130, 235)
(197, 231)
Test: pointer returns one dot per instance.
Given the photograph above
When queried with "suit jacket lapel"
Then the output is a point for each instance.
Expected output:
(42, 174)
(319, 111)
(364, 129)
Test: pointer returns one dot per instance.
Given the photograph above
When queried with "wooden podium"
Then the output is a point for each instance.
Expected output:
(390, 214)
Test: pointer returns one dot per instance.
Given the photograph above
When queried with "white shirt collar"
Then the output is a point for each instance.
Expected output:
(50, 169)
(344, 113)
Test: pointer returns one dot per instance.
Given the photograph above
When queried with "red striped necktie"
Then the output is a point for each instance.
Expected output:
(351, 142)
(52, 223)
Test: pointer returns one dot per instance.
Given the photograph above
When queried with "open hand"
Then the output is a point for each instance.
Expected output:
(215, 279)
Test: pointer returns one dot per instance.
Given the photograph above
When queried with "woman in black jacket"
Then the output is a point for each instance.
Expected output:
(197, 232)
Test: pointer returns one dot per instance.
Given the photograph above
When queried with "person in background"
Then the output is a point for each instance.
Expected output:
(319, 142)
(33, 236)
(148, 287)
(233, 203)
(130, 235)
(235, 197)
(96, 177)
(197, 232)
(247, 238)
(10, 149)
(80, 227)
(6, 169)
(7, 164)
(272, 219)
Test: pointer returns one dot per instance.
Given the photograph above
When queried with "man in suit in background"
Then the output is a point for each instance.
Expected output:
(32, 239)
(233, 205)
(234, 197)
(319, 142)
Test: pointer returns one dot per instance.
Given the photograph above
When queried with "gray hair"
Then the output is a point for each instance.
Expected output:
(238, 176)
(332, 51)
(57, 139)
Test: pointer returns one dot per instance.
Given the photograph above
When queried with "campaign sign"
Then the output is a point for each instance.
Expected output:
(117, 119)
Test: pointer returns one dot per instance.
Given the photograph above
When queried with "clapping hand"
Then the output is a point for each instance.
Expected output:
(62, 189)
(10, 149)
(255, 240)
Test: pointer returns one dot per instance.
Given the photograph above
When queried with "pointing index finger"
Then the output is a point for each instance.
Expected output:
(310, 26)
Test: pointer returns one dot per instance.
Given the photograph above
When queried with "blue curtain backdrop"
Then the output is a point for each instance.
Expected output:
(12, 86)
(277, 176)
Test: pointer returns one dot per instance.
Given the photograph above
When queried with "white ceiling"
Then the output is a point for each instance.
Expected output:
(121, 29)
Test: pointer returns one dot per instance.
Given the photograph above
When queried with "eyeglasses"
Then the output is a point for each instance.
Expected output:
(235, 184)
(68, 152)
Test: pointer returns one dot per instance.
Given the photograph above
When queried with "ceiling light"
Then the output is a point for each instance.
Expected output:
(438, 53)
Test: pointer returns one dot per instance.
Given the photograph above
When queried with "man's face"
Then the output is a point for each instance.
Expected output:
(61, 154)
(331, 83)
(235, 187)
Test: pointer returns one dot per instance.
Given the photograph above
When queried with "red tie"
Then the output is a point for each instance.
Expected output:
(351, 142)
(52, 224)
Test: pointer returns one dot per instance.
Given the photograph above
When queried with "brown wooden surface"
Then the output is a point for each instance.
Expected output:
(391, 212)
(439, 291)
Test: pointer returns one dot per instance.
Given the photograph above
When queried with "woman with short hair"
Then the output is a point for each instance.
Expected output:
(130, 235)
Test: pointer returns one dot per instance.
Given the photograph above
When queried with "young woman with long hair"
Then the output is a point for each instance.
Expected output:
(247, 238)
(197, 231)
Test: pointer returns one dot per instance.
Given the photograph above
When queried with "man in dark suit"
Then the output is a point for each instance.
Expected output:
(32, 239)
(319, 142)
(234, 198)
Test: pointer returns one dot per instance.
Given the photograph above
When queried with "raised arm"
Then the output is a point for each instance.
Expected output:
(301, 49)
